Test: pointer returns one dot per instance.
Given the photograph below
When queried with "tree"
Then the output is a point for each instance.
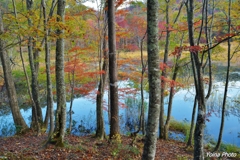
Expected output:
(227, 78)
(19, 122)
(100, 132)
(74, 67)
(208, 63)
(34, 84)
(35, 120)
(154, 81)
(50, 109)
(176, 69)
(71, 67)
(60, 83)
(164, 73)
(114, 122)
(144, 66)
(199, 86)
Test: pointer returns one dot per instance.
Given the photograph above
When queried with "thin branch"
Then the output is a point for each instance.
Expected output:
(235, 51)
(223, 40)
(179, 11)
(13, 44)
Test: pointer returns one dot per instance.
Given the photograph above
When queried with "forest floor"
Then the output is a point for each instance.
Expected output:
(30, 146)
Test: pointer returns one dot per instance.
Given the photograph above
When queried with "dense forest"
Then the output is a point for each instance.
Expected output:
(130, 59)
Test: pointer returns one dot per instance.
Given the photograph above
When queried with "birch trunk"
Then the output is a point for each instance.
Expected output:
(60, 82)
(154, 81)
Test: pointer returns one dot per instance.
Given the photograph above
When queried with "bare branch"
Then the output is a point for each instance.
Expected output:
(223, 40)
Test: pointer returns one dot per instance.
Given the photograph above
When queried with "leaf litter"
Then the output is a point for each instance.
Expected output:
(30, 146)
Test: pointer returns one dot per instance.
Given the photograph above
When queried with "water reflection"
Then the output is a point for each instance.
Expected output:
(85, 116)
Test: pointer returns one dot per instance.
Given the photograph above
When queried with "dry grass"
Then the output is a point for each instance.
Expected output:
(132, 55)
(219, 57)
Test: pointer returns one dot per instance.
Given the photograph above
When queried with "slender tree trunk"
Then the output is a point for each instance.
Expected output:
(209, 45)
(34, 83)
(50, 110)
(164, 74)
(72, 82)
(34, 109)
(208, 34)
(36, 58)
(114, 124)
(154, 81)
(36, 50)
(171, 95)
(71, 78)
(19, 122)
(196, 80)
(60, 82)
(100, 132)
(200, 124)
(189, 143)
(144, 66)
(227, 80)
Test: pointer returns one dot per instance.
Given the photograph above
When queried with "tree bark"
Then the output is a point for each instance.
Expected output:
(34, 109)
(171, 95)
(164, 74)
(114, 123)
(19, 122)
(100, 132)
(34, 84)
(144, 66)
(60, 82)
(72, 83)
(154, 80)
(200, 124)
(50, 109)
(208, 35)
(189, 143)
(227, 80)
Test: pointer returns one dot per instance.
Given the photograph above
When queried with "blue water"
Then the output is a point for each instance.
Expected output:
(85, 112)
(183, 104)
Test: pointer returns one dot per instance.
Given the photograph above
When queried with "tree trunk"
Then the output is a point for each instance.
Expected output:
(171, 95)
(19, 122)
(36, 59)
(114, 124)
(227, 80)
(200, 124)
(144, 66)
(72, 83)
(34, 109)
(34, 83)
(164, 74)
(50, 109)
(60, 82)
(100, 132)
(208, 35)
(154, 81)
(71, 79)
(189, 143)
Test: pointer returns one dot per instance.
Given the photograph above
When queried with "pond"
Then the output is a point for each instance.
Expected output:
(85, 116)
